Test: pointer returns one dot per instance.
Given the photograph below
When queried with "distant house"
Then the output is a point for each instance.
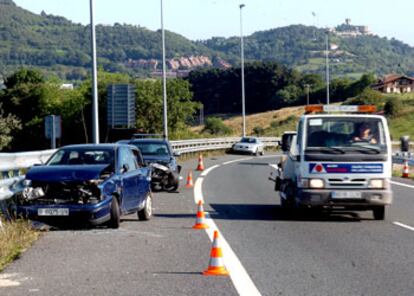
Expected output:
(395, 84)
(66, 86)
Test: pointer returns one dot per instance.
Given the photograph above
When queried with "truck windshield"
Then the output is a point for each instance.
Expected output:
(336, 135)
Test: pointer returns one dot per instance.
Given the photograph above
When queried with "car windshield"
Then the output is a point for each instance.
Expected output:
(82, 156)
(152, 149)
(337, 134)
(248, 140)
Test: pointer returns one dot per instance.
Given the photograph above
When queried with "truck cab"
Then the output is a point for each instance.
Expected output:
(339, 159)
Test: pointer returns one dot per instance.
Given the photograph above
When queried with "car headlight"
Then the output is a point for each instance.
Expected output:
(96, 181)
(27, 183)
(316, 183)
(376, 183)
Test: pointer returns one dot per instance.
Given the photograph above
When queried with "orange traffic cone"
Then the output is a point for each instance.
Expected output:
(200, 220)
(190, 183)
(216, 266)
(406, 169)
(200, 166)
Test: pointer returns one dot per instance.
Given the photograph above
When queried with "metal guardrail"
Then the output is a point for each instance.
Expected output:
(400, 157)
(189, 146)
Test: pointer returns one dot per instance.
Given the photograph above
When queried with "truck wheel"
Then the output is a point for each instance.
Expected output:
(146, 213)
(115, 219)
(286, 204)
(379, 212)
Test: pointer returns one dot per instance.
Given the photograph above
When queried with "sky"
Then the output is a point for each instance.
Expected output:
(203, 19)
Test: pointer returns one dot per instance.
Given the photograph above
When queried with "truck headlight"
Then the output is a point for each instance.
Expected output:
(376, 183)
(316, 183)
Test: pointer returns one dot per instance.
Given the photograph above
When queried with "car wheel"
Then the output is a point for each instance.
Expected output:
(146, 213)
(115, 219)
(171, 184)
(262, 153)
(379, 212)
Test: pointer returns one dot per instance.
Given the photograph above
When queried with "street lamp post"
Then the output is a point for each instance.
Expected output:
(327, 67)
(164, 75)
(307, 87)
(242, 70)
(95, 114)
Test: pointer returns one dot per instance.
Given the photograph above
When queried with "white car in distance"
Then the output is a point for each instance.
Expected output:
(251, 145)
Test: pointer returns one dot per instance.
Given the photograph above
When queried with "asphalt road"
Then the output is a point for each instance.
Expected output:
(163, 256)
(317, 254)
(339, 254)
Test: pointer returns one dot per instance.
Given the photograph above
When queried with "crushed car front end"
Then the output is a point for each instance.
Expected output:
(67, 194)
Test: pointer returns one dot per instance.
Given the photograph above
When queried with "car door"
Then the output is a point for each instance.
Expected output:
(144, 177)
(129, 176)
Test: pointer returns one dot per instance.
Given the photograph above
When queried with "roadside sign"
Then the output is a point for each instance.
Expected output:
(53, 122)
(53, 129)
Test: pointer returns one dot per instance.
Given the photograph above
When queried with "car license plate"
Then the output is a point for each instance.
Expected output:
(346, 194)
(53, 212)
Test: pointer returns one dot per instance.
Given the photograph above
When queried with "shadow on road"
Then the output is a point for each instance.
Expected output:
(175, 215)
(277, 213)
(179, 272)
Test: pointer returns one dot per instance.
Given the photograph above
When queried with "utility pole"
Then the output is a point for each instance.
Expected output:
(327, 67)
(202, 115)
(95, 114)
(164, 75)
(242, 70)
(307, 87)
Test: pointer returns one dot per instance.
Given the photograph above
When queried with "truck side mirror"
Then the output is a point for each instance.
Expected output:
(405, 143)
(286, 140)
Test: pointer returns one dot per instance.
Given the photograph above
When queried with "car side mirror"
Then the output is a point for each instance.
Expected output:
(125, 168)
(405, 143)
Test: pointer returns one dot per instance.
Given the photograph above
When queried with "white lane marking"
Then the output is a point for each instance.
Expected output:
(238, 274)
(205, 172)
(236, 160)
(403, 225)
(273, 166)
(402, 184)
(10, 280)
(250, 158)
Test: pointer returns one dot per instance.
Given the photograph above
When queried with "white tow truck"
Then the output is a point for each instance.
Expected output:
(339, 159)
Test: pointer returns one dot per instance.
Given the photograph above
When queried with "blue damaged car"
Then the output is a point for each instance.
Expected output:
(88, 183)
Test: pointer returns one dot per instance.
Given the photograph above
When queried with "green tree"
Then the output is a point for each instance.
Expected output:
(8, 124)
(149, 105)
(22, 99)
(216, 126)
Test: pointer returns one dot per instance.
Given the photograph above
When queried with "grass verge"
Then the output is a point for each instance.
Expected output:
(15, 238)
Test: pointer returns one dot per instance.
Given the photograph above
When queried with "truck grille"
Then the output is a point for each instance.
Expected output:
(347, 183)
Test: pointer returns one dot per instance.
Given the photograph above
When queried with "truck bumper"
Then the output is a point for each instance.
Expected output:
(323, 198)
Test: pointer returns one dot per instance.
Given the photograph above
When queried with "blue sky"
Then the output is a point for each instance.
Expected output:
(202, 19)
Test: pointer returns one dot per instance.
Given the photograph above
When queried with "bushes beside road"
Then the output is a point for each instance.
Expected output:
(15, 238)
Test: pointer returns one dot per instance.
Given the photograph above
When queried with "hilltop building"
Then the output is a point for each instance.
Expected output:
(348, 30)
